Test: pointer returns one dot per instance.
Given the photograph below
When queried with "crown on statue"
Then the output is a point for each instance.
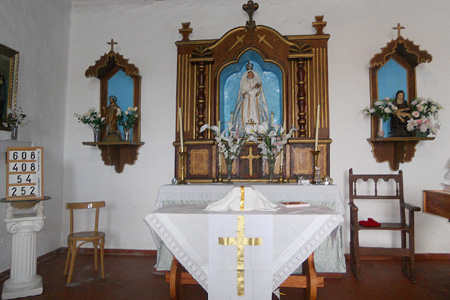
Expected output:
(249, 66)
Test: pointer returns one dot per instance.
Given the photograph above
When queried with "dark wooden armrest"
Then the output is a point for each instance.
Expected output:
(353, 206)
(411, 207)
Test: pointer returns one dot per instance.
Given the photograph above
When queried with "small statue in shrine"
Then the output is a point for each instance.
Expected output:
(400, 116)
(111, 113)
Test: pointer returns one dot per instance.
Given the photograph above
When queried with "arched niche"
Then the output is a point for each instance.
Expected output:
(393, 69)
(121, 79)
(272, 83)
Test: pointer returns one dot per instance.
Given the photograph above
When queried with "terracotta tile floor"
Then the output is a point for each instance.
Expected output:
(131, 277)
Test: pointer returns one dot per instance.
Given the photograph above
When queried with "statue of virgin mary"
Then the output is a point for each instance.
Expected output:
(251, 106)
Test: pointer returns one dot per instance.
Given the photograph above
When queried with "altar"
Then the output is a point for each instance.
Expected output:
(329, 255)
(291, 235)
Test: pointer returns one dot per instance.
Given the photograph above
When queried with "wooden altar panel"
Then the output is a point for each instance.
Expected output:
(303, 61)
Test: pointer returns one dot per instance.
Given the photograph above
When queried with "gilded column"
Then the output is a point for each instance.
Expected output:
(301, 97)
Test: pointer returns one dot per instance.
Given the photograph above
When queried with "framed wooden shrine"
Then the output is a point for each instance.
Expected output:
(120, 88)
(394, 70)
(294, 75)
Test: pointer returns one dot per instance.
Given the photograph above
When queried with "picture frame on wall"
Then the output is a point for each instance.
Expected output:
(9, 67)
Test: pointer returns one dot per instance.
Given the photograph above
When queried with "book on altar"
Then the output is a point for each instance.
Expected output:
(295, 204)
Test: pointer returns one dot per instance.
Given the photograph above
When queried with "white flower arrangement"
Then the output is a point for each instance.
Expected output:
(228, 141)
(15, 118)
(127, 118)
(381, 108)
(273, 139)
(424, 115)
(91, 118)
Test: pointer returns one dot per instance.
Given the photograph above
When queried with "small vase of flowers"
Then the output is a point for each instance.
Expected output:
(94, 120)
(383, 109)
(273, 140)
(14, 119)
(229, 144)
(424, 116)
(126, 120)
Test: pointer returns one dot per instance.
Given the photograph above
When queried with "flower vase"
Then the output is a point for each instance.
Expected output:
(380, 127)
(14, 133)
(97, 133)
(229, 170)
(126, 134)
(418, 133)
(271, 163)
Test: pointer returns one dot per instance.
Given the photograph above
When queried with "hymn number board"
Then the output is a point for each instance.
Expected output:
(24, 178)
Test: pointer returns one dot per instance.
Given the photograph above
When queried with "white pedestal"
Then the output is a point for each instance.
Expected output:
(23, 281)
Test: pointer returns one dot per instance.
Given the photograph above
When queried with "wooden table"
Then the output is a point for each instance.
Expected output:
(437, 203)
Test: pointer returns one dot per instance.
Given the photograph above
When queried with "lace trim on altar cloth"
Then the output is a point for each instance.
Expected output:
(178, 251)
(305, 251)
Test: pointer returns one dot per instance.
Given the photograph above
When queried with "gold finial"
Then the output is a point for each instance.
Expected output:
(398, 28)
(112, 43)
(250, 8)
(185, 31)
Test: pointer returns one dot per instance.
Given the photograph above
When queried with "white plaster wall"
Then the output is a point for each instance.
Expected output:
(146, 35)
(39, 30)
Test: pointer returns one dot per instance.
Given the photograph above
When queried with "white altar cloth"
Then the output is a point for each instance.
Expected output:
(296, 233)
(185, 194)
(329, 257)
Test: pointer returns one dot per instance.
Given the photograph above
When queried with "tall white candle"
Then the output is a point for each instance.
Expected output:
(181, 128)
(218, 153)
(231, 118)
(316, 145)
(282, 158)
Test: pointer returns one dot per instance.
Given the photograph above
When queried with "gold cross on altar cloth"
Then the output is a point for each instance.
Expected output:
(250, 157)
(240, 241)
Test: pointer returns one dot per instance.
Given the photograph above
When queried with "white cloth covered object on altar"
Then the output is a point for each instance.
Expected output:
(253, 200)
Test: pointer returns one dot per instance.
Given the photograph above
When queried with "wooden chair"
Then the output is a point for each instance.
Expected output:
(97, 238)
(405, 252)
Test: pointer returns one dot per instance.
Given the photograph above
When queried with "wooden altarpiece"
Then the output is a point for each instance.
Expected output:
(303, 64)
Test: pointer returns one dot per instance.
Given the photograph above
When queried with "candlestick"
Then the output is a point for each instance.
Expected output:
(182, 167)
(271, 119)
(181, 128)
(281, 157)
(316, 179)
(316, 144)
